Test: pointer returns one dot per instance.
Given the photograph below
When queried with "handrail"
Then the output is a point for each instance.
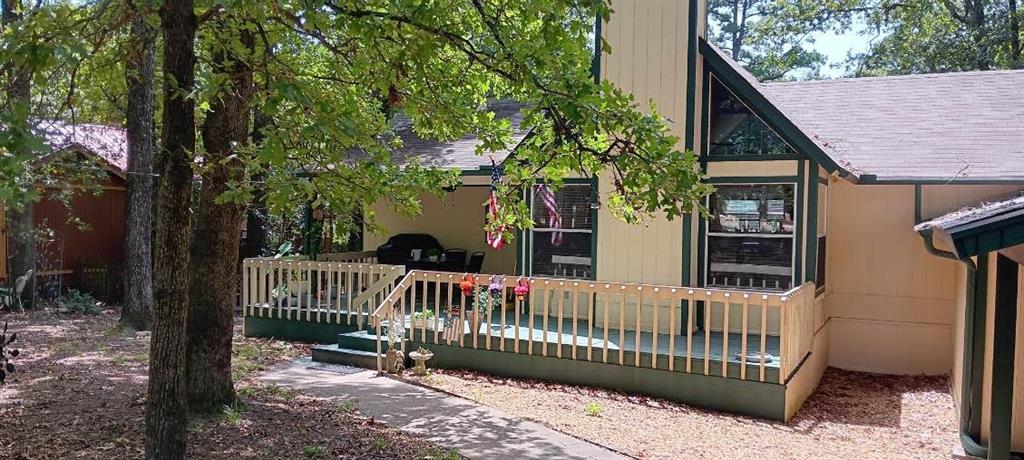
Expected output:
(579, 319)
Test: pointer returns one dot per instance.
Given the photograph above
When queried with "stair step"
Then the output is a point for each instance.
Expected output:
(333, 354)
(360, 340)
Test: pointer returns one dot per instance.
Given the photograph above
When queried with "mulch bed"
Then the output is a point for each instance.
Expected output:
(852, 415)
(80, 393)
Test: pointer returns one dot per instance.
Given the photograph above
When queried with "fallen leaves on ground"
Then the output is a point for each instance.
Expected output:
(852, 415)
(80, 393)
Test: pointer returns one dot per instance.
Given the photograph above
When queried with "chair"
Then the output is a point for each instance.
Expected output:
(454, 260)
(476, 262)
(9, 297)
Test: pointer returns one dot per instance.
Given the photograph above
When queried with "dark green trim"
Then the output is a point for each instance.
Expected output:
(687, 247)
(595, 63)
(750, 95)
(717, 158)
(812, 225)
(870, 179)
(758, 399)
(977, 340)
(705, 120)
(755, 179)
(290, 329)
(798, 209)
(989, 234)
(702, 238)
(595, 197)
(1003, 343)
(691, 74)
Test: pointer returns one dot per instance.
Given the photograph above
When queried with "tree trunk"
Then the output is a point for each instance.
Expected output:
(974, 13)
(1015, 47)
(256, 216)
(138, 294)
(22, 250)
(215, 243)
(166, 408)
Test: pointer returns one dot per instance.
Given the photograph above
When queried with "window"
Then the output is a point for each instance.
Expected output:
(819, 275)
(735, 130)
(751, 237)
(561, 244)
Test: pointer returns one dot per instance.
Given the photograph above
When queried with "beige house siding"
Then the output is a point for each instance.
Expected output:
(648, 59)
(456, 219)
(886, 292)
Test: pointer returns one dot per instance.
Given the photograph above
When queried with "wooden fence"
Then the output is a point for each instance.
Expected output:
(697, 324)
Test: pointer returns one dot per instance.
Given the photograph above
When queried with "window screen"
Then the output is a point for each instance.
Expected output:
(561, 243)
(750, 237)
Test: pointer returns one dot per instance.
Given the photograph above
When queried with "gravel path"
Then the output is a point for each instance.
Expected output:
(852, 415)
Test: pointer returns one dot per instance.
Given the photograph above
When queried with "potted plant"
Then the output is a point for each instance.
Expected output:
(423, 319)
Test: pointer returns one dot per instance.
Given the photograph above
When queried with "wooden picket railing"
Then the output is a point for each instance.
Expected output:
(360, 257)
(642, 325)
(341, 292)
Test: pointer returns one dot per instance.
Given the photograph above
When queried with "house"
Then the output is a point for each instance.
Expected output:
(810, 257)
(85, 237)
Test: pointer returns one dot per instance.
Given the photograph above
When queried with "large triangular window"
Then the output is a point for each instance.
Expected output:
(735, 131)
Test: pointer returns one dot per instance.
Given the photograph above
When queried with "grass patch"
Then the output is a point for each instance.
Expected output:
(241, 368)
(380, 444)
(278, 391)
(348, 406)
(593, 409)
(314, 452)
(437, 453)
(233, 412)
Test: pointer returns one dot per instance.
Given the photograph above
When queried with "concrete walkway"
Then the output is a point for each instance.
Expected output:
(473, 430)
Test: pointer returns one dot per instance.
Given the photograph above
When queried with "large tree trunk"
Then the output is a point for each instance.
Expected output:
(1015, 46)
(166, 407)
(22, 247)
(256, 216)
(215, 243)
(138, 294)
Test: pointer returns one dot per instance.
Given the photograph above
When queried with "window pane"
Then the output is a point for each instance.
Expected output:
(750, 261)
(752, 209)
(572, 202)
(570, 258)
(735, 130)
(562, 248)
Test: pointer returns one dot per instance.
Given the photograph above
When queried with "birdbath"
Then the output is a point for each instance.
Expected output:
(421, 357)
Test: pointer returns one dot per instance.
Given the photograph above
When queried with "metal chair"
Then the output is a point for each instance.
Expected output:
(9, 297)
(454, 260)
(476, 262)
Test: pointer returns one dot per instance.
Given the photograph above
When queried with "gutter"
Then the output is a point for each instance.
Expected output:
(973, 346)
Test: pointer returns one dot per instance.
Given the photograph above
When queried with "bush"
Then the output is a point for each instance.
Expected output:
(78, 302)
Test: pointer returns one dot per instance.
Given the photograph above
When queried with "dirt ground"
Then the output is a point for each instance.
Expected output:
(852, 415)
(80, 393)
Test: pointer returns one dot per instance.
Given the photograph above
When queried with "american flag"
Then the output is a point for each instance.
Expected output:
(554, 218)
(496, 238)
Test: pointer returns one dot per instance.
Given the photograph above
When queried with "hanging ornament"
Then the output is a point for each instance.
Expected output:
(467, 284)
(522, 289)
(497, 285)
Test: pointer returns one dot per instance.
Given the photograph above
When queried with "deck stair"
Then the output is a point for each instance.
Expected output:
(357, 348)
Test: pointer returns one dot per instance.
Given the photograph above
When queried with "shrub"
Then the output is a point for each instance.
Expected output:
(78, 302)
(593, 409)
(314, 452)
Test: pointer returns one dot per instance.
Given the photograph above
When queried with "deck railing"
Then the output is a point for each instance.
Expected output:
(361, 257)
(338, 292)
(693, 330)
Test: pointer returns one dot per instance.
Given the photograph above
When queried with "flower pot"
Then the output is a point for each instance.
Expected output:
(423, 323)
(394, 361)
(474, 321)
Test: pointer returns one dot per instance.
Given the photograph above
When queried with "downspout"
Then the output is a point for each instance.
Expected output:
(970, 445)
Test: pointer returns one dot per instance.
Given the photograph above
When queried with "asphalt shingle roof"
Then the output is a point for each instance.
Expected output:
(459, 153)
(964, 216)
(108, 143)
(946, 127)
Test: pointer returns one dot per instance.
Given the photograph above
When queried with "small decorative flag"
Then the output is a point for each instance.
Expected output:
(554, 218)
(496, 238)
